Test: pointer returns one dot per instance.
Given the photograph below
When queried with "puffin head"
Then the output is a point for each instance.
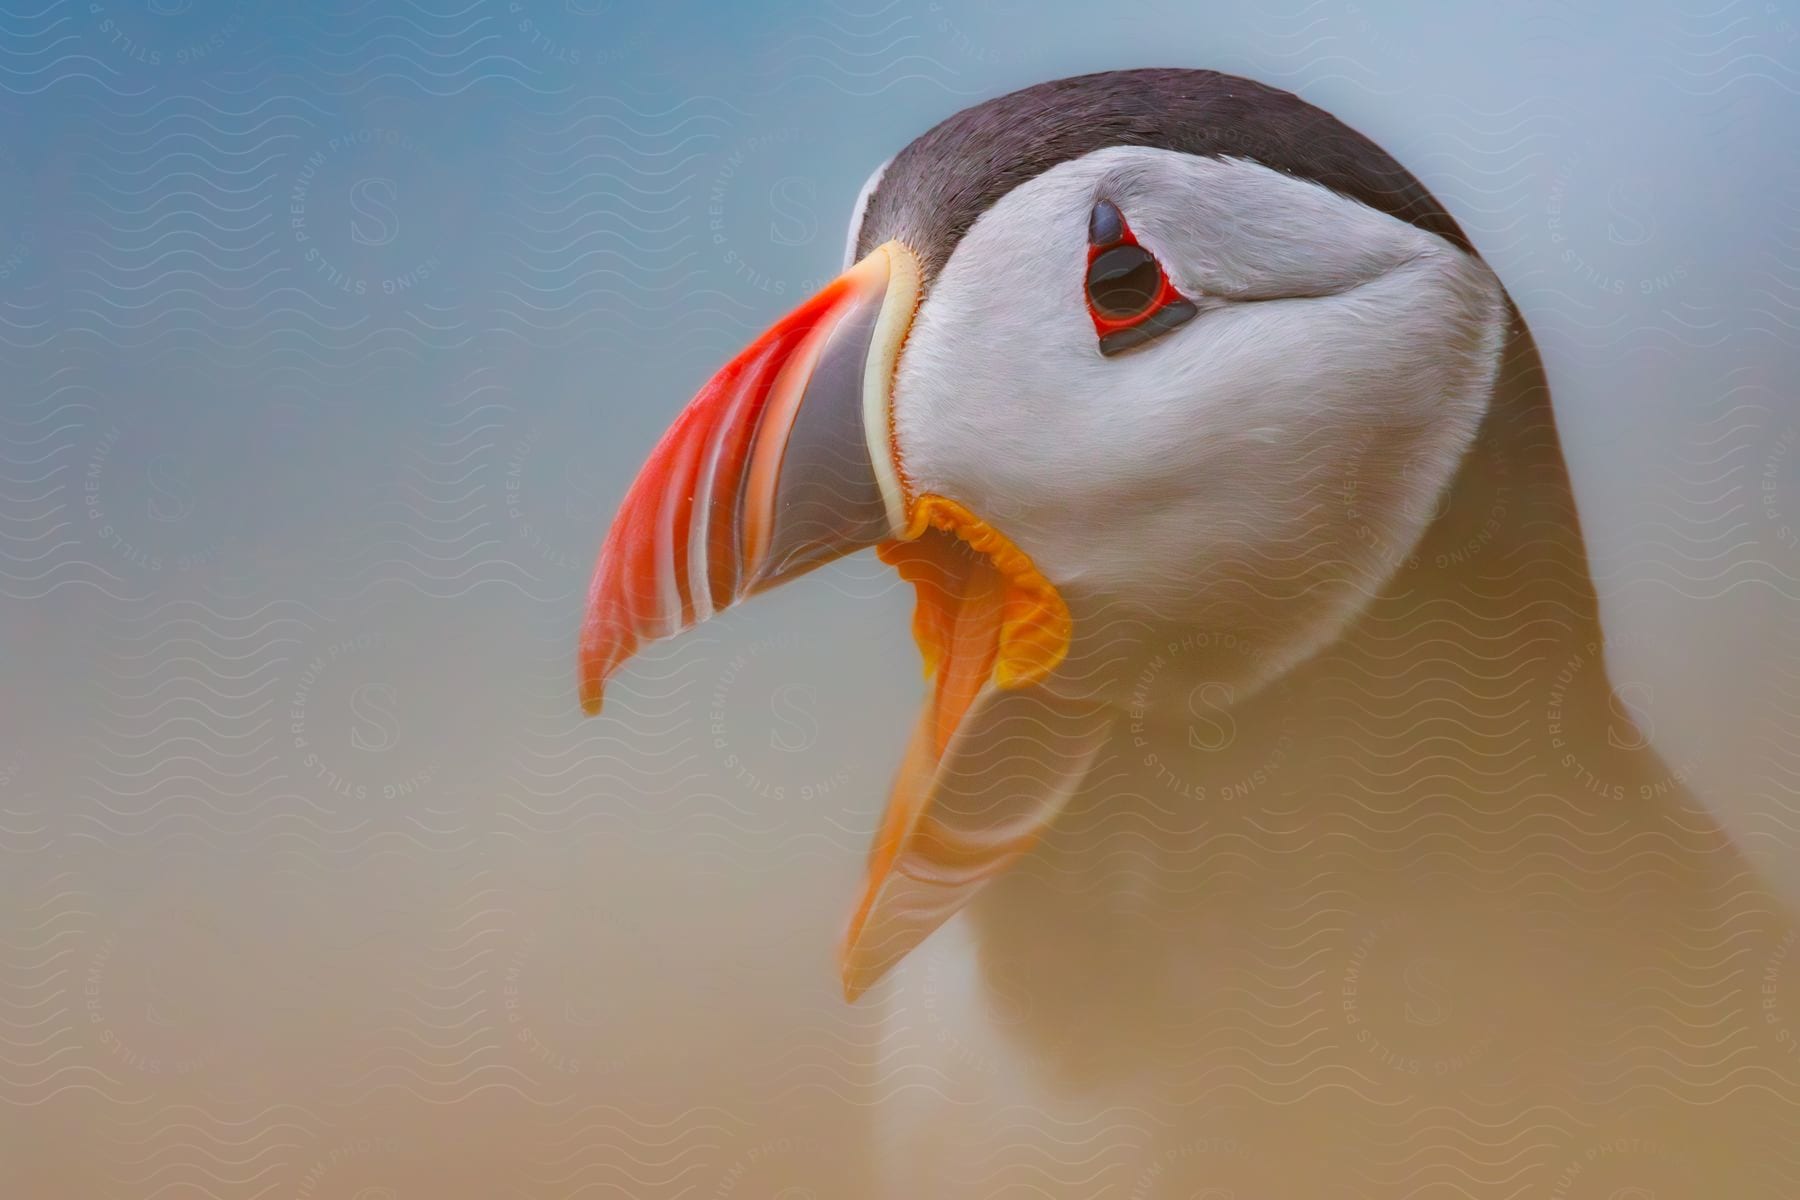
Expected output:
(1104, 361)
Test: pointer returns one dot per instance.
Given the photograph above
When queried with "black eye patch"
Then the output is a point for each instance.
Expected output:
(1129, 295)
(1106, 225)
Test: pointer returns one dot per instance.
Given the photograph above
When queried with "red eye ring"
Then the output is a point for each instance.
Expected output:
(1129, 305)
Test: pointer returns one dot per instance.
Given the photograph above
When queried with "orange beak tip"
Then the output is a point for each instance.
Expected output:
(853, 965)
(592, 683)
(857, 976)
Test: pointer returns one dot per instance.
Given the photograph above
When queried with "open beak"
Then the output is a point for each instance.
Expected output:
(784, 461)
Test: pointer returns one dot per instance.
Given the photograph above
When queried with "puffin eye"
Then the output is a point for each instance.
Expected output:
(1129, 295)
(1123, 282)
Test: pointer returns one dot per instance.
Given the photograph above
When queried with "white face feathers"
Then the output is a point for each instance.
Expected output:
(1260, 470)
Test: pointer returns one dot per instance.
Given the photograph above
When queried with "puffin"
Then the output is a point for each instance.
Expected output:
(1271, 826)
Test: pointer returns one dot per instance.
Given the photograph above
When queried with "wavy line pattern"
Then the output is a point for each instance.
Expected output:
(330, 337)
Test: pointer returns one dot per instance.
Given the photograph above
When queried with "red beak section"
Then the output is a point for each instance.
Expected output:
(782, 463)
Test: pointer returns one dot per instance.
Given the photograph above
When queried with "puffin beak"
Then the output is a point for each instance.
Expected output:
(996, 753)
(783, 462)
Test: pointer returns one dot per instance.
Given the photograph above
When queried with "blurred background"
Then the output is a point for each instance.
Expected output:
(330, 335)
